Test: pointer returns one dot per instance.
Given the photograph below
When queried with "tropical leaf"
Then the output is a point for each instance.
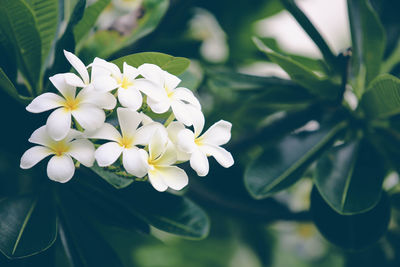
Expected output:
(89, 18)
(283, 163)
(113, 179)
(10, 89)
(18, 23)
(174, 65)
(349, 177)
(382, 99)
(323, 86)
(28, 225)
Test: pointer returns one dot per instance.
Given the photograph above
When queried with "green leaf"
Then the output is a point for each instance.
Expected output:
(18, 23)
(81, 243)
(28, 225)
(10, 89)
(320, 86)
(382, 99)
(46, 15)
(174, 214)
(368, 38)
(103, 44)
(350, 232)
(174, 65)
(113, 179)
(283, 163)
(89, 18)
(349, 177)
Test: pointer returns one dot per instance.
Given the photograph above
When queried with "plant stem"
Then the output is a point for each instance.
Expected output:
(309, 28)
(169, 120)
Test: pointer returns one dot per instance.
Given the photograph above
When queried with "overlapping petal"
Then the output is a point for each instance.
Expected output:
(60, 168)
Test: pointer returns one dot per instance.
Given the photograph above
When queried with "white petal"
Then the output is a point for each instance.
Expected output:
(128, 120)
(185, 113)
(73, 134)
(157, 181)
(199, 163)
(152, 73)
(104, 100)
(159, 107)
(173, 130)
(129, 71)
(41, 137)
(78, 66)
(144, 134)
(198, 121)
(150, 89)
(157, 145)
(33, 155)
(172, 176)
(83, 151)
(135, 161)
(107, 154)
(168, 157)
(60, 84)
(145, 119)
(89, 116)
(218, 134)
(58, 124)
(45, 102)
(106, 131)
(130, 98)
(170, 81)
(220, 154)
(186, 95)
(186, 141)
(60, 168)
(99, 68)
(73, 80)
(104, 83)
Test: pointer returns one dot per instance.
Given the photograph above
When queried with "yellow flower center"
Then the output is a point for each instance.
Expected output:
(60, 147)
(198, 141)
(71, 104)
(126, 142)
(125, 82)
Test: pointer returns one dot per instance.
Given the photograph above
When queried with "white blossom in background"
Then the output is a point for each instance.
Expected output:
(125, 143)
(61, 167)
(81, 106)
(159, 160)
(183, 103)
(208, 144)
(128, 85)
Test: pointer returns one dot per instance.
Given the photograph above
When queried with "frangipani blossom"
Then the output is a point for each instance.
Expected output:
(128, 86)
(80, 106)
(162, 154)
(173, 130)
(61, 167)
(207, 144)
(181, 100)
(125, 143)
(104, 100)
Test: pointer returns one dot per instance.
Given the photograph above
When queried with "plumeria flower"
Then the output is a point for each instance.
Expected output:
(104, 100)
(125, 143)
(61, 167)
(207, 144)
(181, 100)
(128, 85)
(80, 106)
(162, 154)
(173, 130)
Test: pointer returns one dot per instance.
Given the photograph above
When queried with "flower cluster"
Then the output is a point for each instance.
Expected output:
(143, 145)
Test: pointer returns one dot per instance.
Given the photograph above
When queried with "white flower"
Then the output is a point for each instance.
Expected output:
(80, 106)
(173, 130)
(128, 86)
(104, 100)
(207, 144)
(132, 157)
(181, 100)
(60, 168)
(158, 161)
